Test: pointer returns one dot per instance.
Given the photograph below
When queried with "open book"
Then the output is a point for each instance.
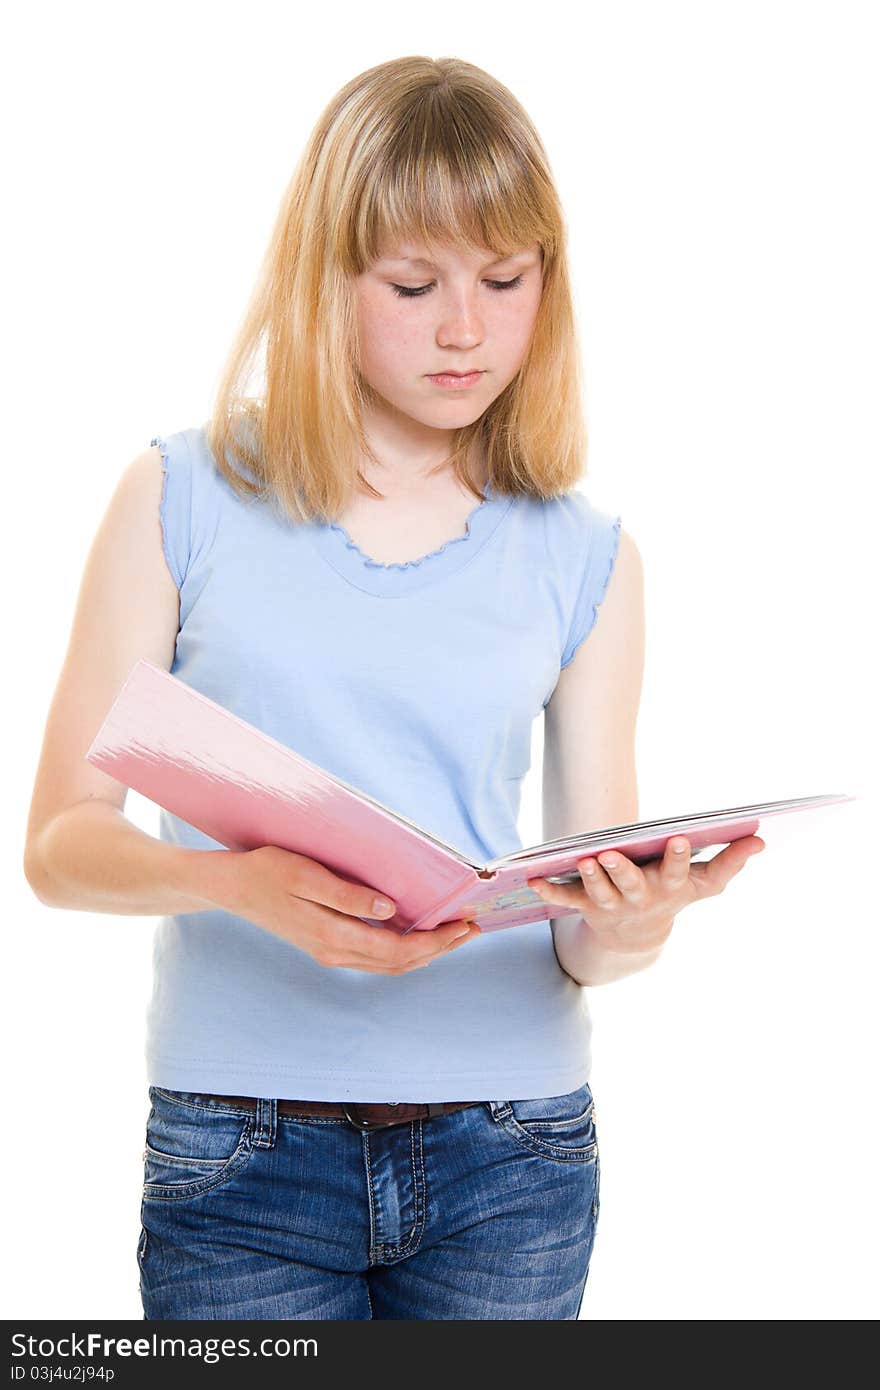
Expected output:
(244, 789)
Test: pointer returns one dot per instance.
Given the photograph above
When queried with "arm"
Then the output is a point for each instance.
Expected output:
(91, 859)
(589, 770)
(80, 851)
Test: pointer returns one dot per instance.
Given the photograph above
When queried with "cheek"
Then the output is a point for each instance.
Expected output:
(389, 339)
(513, 329)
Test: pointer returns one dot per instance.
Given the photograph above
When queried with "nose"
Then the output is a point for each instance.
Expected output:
(461, 323)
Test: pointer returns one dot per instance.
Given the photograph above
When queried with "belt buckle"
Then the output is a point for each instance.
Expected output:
(366, 1125)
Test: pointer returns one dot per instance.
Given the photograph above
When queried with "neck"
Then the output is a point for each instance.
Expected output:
(409, 453)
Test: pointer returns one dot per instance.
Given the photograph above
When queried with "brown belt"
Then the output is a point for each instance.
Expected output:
(365, 1115)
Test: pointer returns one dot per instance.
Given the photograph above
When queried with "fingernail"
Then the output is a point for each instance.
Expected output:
(382, 907)
(464, 932)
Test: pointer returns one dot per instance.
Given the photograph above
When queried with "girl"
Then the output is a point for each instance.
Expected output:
(381, 562)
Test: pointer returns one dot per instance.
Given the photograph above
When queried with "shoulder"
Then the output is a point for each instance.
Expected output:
(575, 524)
(190, 468)
(142, 476)
(184, 448)
(598, 536)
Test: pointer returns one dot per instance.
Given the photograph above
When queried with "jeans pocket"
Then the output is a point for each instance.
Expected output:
(559, 1127)
(191, 1149)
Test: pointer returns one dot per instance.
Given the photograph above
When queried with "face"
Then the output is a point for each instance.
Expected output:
(427, 311)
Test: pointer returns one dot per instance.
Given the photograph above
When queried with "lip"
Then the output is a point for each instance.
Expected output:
(455, 381)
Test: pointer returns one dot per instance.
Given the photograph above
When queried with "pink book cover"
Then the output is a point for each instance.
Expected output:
(244, 789)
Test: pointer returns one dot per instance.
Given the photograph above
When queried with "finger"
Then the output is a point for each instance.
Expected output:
(675, 865)
(564, 895)
(421, 947)
(624, 875)
(714, 875)
(389, 951)
(463, 940)
(386, 945)
(597, 880)
(460, 937)
(315, 883)
(421, 961)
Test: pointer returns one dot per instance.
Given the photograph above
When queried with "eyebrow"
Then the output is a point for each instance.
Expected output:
(429, 265)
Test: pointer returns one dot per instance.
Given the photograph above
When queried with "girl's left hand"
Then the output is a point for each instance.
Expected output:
(632, 908)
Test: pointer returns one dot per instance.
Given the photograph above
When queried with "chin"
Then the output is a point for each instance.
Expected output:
(452, 404)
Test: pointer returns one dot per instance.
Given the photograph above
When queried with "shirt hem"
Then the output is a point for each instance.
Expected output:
(195, 1075)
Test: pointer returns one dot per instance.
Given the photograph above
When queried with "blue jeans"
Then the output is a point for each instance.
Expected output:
(488, 1212)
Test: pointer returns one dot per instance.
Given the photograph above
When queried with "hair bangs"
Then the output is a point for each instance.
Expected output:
(446, 183)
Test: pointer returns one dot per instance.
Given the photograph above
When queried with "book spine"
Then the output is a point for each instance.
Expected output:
(439, 911)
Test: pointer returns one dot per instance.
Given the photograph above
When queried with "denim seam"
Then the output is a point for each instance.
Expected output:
(365, 1154)
(538, 1127)
(406, 1247)
(184, 1161)
(382, 1252)
(143, 1239)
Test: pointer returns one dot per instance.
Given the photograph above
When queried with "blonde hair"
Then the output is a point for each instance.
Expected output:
(416, 146)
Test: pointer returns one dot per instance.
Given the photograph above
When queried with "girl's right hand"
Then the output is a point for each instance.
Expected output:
(309, 906)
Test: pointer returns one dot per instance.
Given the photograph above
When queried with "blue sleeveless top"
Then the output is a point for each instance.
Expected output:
(419, 683)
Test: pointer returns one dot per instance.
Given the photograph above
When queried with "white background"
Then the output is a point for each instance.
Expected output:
(718, 172)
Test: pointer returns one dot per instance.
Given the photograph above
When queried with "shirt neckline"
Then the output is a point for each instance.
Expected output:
(399, 577)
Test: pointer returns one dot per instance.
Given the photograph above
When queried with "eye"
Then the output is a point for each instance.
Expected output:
(406, 292)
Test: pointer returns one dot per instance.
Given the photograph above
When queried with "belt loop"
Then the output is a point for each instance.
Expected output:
(266, 1123)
